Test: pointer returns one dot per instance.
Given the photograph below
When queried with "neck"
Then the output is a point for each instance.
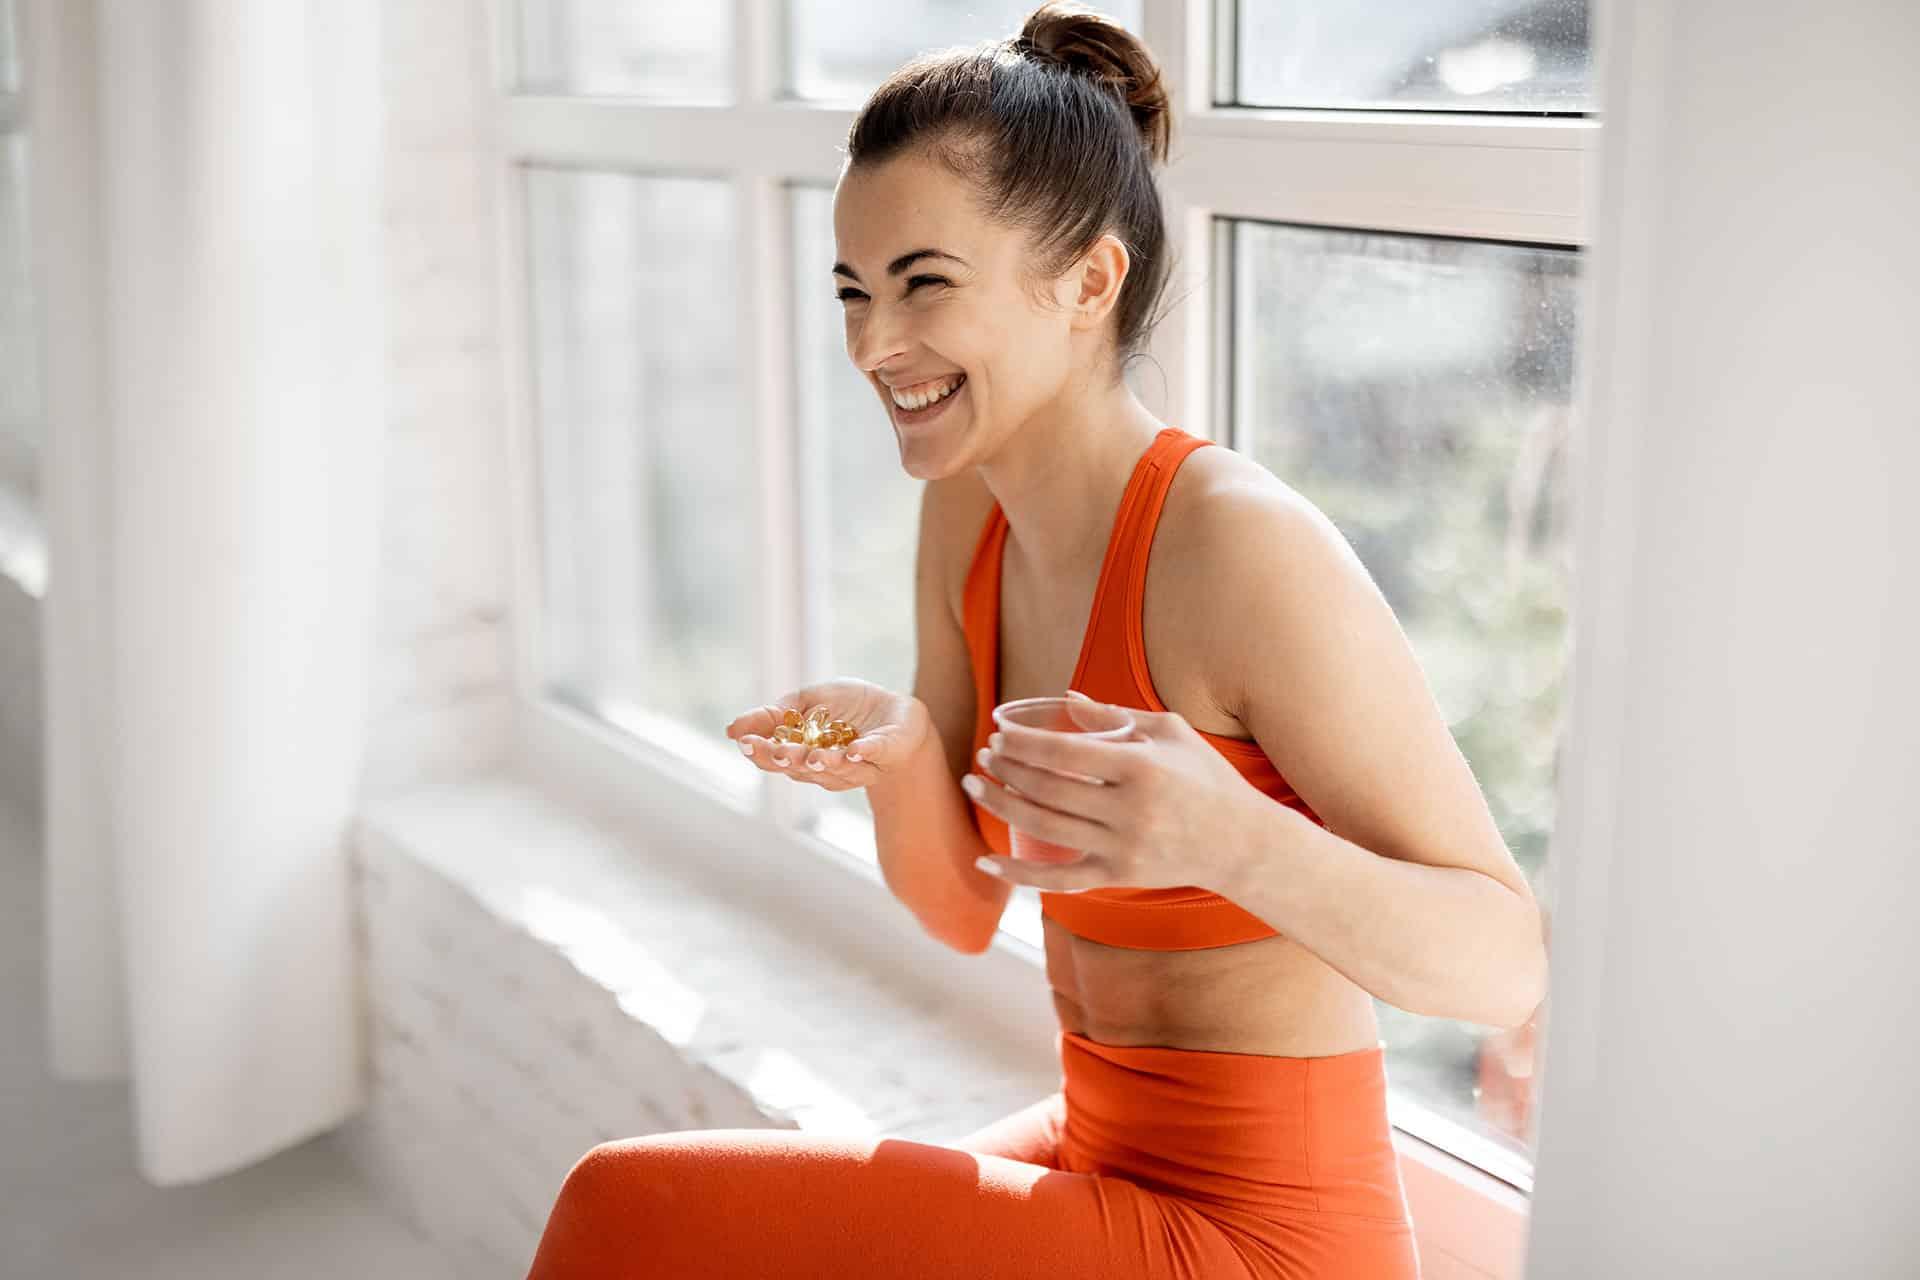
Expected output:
(1059, 477)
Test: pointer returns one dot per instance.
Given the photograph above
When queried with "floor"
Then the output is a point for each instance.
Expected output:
(72, 1206)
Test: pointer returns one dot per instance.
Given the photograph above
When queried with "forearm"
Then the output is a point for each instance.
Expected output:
(1441, 941)
(927, 841)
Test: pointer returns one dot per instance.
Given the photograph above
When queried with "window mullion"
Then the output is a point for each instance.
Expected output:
(757, 26)
(765, 309)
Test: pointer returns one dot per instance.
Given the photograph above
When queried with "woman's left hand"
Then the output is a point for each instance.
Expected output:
(1161, 809)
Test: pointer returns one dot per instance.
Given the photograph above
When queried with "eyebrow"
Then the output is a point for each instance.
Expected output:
(900, 263)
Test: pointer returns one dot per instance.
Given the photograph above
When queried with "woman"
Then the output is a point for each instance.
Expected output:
(1215, 955)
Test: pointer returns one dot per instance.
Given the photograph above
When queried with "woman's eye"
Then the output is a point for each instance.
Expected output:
(849, 295)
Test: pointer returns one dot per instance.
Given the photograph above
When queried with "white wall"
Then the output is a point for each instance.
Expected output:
(1729, 1077)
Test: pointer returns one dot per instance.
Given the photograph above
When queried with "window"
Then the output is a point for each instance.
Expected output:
(9, 60)
(1434, 55)
(840, 50)
(19, 373)
(1376, 233)
(670, 50)
(19, 358)
(648, 570)
(1419, 390)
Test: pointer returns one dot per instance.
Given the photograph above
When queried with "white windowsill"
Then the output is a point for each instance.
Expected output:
(815, 1036)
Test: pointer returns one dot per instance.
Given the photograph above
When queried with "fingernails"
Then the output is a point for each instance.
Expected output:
(972, 785)
(746, 748)
(816, 764)
(990, 865)
(853, 755)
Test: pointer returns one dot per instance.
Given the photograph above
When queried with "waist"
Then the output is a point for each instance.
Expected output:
(1270, 997)
(1251, 1132)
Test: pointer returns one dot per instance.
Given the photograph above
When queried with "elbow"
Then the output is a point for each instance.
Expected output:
(1515, 993)
(1527, 993)
(1505, 1000)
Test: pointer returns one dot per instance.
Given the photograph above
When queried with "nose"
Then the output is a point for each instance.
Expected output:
(876, 337)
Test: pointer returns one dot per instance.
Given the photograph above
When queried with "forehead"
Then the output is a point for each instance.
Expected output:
(906, 203)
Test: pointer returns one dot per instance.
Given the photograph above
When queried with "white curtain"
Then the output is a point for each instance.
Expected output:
(207, 213)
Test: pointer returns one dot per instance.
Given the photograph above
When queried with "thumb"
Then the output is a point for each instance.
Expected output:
(1141, 718)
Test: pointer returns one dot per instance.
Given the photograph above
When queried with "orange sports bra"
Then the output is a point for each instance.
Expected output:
(1113, 668)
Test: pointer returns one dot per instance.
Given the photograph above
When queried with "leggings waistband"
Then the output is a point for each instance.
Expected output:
(1247, 1130)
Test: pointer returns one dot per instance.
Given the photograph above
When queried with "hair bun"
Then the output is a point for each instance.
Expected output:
(1090, 43)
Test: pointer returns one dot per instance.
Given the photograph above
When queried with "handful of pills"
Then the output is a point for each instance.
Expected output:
(814, 729)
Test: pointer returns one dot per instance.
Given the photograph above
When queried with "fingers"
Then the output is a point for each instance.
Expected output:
(813, 764)
(760, 720)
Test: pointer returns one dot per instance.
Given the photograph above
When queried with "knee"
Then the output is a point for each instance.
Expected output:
(604, 1203)
(613, 1179)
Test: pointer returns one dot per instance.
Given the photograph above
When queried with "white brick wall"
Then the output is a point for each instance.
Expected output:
(439, 703)
(496, 1065)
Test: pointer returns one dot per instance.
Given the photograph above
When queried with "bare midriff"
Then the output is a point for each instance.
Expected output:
(1269, 996)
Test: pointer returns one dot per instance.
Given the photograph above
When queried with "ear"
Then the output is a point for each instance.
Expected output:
(1102, 272)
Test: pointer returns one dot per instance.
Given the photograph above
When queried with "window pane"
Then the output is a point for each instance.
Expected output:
(1419, 392)
(840, 50)
(9, 66)
(677, 50)
(859, 578)
(19, 364)
(647, 509)
(1440, 55)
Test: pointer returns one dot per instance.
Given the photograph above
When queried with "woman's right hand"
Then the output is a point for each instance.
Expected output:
(891, 726)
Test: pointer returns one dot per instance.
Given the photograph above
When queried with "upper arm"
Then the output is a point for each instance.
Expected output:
(953, 510)
(1325, 679)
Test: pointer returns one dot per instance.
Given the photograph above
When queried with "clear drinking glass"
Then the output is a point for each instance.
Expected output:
(1059, 715)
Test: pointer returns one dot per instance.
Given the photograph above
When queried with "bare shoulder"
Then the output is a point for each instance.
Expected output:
(954, 510)
(1305, 652)
(1233, 530)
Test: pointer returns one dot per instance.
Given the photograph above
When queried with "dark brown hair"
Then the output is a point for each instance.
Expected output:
(1057, 129)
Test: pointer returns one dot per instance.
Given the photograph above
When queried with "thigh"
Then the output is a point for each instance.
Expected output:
(1031, 1134)
(779, 1203)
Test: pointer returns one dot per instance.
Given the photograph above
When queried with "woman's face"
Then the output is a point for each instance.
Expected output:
(968, 314)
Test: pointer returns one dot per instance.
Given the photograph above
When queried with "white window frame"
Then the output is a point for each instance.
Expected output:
(1493, 177)
(23, 553)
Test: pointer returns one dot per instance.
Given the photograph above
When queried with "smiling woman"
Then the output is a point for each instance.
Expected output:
(1019, 226)
(999, 256)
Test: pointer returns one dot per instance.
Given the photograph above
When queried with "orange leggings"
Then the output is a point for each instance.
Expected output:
(1150, 1162)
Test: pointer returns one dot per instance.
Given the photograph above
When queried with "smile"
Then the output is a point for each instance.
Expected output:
(928, 400)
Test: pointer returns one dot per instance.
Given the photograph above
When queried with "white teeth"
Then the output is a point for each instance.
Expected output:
(923, 399)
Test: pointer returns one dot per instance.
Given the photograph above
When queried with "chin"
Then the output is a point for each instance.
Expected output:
(930, 459)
